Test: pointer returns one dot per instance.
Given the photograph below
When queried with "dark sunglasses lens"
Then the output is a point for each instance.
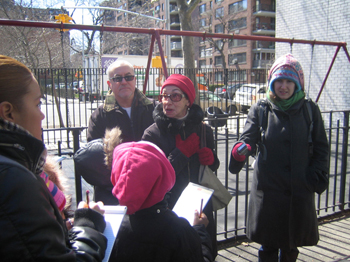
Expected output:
(175, 97)
(129, 78)
(117, 79)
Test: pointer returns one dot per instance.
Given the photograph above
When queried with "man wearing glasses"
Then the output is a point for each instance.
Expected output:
(125, 107)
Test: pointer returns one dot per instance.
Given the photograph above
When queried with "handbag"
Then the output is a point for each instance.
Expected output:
(221, 197)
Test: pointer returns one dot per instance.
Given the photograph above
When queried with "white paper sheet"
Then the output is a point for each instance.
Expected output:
(113, 216)
(190, 200)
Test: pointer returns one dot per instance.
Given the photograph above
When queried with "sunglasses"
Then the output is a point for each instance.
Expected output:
(175, 97)
(118, 79)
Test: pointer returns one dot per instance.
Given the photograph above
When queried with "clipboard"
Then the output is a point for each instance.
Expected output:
(114, 216)
(190, 200)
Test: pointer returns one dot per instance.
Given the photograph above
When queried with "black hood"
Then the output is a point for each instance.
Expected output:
(195, 117)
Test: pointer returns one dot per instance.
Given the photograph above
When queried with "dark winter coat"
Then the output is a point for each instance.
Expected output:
(282, 210)
(110, 115)
(89, 162)
(162, 133)
(31, 226)
(157, 234)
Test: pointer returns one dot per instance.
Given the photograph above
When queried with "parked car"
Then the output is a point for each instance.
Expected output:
(209, 99)
(227, 91)
(249, 94)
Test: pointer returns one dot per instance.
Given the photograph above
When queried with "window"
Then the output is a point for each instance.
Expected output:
(219, 45)
(218, 60)
(239, 58)
(202, 9)
(202, 51)
(219, 28)
(202, 22)
(202, 63)
(237, 42)
(237, 7)
(218, 76)
(237, 76)
(236, 24)
(219, 13)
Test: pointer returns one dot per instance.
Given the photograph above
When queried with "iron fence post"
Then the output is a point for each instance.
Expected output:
(344, 161)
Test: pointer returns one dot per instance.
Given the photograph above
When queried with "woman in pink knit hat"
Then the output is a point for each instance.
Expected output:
(291, 164)
(150, 232)
(177, 131)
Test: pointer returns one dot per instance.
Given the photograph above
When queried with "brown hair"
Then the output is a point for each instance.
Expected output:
(15, 78)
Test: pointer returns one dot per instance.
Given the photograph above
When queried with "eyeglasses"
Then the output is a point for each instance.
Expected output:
(175, 97)
(118, 79)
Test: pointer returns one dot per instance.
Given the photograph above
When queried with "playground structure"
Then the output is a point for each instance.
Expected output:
(155, 34)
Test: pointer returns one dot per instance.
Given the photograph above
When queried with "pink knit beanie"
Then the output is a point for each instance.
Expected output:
(141, 175)
(182, 82)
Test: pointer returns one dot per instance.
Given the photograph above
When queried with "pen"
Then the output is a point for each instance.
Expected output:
(87, 198)
(201, 210)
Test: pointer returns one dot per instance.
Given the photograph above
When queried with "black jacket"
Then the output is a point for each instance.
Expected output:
(90, 164)
(31, 226)
(282, 211)
(110, 115)
(157, 234)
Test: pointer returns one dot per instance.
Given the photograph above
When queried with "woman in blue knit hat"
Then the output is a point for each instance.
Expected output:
(286, 134)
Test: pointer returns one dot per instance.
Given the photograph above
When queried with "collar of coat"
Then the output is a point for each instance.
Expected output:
(111, 103)
(195, 117)
(18, 144)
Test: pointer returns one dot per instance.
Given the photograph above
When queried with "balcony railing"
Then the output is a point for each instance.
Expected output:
(263, 45)
(260, 63)
(264, 8)
(176, 46)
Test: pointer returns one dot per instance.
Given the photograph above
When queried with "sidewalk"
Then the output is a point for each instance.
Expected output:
(334, 244)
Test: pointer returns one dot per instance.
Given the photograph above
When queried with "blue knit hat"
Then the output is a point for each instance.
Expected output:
(287, 67)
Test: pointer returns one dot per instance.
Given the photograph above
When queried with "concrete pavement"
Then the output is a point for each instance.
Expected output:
(334, 244)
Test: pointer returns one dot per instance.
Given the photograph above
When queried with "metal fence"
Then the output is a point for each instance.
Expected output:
(71, 95)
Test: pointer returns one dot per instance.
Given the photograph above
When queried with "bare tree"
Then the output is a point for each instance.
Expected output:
(35, 47)
(136, 44)
(185, 11)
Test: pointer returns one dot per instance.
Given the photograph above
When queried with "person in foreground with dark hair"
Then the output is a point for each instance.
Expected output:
(31, 225)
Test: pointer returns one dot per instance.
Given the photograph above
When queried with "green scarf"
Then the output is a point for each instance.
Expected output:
(285, 104)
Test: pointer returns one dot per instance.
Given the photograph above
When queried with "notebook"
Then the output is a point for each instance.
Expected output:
(113, 216)
(191, 199)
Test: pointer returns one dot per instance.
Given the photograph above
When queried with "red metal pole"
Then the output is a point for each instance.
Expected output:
(151, 31)
(148, 64)
(329, 70)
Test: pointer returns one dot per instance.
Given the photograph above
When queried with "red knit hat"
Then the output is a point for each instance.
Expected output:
(182, 82)
(141, 175)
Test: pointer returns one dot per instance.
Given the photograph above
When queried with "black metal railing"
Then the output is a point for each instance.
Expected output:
(68, 111)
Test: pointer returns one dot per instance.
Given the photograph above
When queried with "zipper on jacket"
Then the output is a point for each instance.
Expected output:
(18, 146)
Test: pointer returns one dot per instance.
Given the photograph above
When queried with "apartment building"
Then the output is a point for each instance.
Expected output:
(243, 17)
